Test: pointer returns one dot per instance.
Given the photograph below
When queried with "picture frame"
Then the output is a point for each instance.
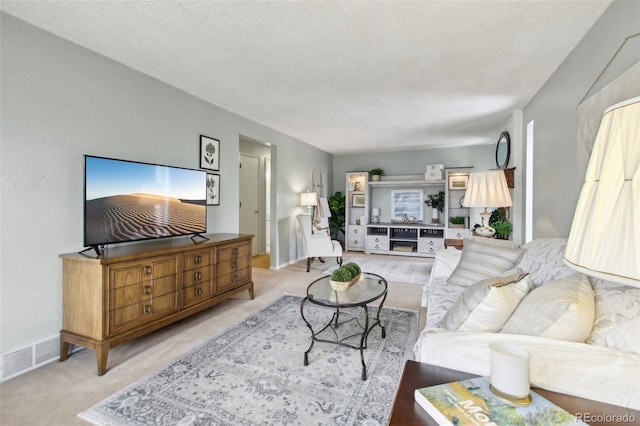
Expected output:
(358, 200)
(209, 153)
(407, 203)
(458, 181)
(213, 189)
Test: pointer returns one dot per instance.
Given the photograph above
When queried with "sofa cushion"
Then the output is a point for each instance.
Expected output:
(482, 259)
(487, 304)
(562, 309)
(617, 323)
(543, 260)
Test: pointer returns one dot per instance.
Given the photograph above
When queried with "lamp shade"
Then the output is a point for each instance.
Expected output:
(487, 189)
(308, 199)
(605, 233)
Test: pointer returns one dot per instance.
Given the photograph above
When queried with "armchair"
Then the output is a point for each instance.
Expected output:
(318, 245)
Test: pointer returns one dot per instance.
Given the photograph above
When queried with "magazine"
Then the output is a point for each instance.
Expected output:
(471, 402)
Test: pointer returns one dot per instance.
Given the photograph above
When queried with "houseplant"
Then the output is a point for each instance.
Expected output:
(503, 229)
(435, 201)
(345, 276)
(376, 174)
(336, 221)
(457, 221)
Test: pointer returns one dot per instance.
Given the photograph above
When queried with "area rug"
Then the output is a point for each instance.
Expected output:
(253, 374)
(392, 268)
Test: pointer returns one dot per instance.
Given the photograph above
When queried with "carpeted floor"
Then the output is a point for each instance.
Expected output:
(253, 374)
(414, 270)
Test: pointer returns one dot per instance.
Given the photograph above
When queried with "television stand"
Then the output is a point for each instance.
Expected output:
(96, 248)
(197, 234)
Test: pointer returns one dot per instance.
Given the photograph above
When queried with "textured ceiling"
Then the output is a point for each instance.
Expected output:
(343, 76)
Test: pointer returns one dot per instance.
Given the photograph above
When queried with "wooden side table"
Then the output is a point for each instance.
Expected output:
(449, 242)
(406, 411)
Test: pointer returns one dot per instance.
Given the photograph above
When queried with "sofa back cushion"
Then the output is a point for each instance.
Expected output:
(484, 258)
(543, 260)
(562, 309)
(486, 305)
(617, 323)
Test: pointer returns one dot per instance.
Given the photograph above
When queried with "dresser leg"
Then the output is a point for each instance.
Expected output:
(102, 352)
(64, 350)
(251, 292)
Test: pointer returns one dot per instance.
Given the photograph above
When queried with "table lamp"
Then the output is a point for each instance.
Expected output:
(308, 200)
(487, 189)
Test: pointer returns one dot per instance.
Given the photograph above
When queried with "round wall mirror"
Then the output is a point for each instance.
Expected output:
(503, 150)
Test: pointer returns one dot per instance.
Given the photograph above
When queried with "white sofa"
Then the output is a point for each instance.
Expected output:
(602, 365)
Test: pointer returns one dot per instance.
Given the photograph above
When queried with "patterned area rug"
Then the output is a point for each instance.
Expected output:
(253, 374)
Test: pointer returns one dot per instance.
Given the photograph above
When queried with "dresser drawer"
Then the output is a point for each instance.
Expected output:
(430, 245)
(232, 280)
(458, 233)
(233, 251)
(376, 243)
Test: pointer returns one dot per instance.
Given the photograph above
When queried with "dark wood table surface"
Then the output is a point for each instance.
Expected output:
(406, 411)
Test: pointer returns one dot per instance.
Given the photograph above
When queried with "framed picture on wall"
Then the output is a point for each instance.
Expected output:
(458, 181)
(407, 203)
(209, 153)
(213, 189)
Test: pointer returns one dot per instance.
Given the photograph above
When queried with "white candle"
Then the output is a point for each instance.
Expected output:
(510, 369)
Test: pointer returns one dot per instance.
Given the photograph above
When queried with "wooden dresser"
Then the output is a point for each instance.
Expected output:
(132, 290)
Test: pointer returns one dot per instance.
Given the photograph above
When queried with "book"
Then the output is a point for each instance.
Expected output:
(471, 402)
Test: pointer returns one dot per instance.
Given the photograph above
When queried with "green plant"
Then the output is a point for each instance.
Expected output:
(436, 201)
(377, 171)
(336, 221)
(502, 227)
(355, 269)
(457, 220)
(342, 274)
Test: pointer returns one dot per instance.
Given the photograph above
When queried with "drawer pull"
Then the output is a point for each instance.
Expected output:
(197, 276)
(377, 240)
(198, 259)
(234, 251)
(234, 278)
(147, 309)
(356, 242)
(355, 231)
(198, 291)
(234, 265)
(430, 243)
(147, 290)
(147, 270)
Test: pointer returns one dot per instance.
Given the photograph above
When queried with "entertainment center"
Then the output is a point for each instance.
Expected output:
(388, 216)
(129, 291)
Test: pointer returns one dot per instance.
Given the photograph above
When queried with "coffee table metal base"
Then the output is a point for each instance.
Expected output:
(337, 325)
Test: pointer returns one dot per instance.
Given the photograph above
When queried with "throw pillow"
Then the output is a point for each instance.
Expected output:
(543, 258)
(483, 259)
(563, 309)
(617, 324)
(486, 305)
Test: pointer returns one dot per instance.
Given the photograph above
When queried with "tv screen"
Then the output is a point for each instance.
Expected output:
(130, 201)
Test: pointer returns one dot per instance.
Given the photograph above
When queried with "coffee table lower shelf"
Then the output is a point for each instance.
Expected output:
(406, 411)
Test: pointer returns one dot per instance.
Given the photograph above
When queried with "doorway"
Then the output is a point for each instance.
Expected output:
(249, 199)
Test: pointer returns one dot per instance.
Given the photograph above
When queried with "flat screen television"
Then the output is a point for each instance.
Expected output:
(128, 201)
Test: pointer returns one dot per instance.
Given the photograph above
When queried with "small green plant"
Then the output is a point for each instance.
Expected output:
(502, 227)
(355, 269)
(342, 274)
(436, 201)
(377, 172)
(457, 220)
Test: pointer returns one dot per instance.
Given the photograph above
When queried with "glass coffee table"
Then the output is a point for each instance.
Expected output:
(346, 328)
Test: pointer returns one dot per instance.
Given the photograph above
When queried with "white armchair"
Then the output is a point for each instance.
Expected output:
(318, 245)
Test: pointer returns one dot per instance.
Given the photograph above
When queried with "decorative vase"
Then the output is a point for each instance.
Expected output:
(435, 215)
(375, 178)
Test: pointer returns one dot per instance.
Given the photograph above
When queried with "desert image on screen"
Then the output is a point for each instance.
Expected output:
(142, 216)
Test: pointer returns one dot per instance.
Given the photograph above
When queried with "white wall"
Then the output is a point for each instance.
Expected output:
(557, 174)
(60, 101)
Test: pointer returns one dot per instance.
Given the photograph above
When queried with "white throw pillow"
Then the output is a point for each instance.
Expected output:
(562, 309)
(617, 324)
(483, 259)
(486, 305)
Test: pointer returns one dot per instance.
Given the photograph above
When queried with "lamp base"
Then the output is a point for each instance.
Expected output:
(485, 231)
